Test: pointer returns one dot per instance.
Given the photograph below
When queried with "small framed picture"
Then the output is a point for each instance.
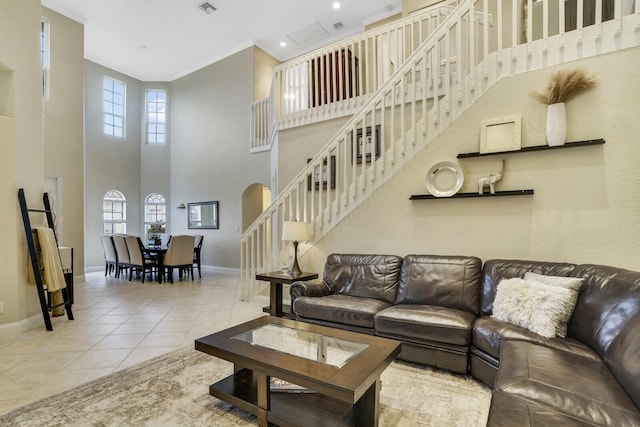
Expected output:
(321, 174)
(364, 145)
(501, 135)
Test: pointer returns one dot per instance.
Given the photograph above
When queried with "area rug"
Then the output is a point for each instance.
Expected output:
(173, 390)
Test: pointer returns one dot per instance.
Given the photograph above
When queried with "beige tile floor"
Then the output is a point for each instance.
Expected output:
(117, 324)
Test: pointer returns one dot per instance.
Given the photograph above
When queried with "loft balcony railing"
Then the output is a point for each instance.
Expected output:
(478, 43)
(336, 80)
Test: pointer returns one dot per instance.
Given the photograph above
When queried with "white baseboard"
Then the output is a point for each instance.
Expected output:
(12, 330)
(221, 269)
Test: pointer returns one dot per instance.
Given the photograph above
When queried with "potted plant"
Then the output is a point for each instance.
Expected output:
(155, 229)
(563, 86)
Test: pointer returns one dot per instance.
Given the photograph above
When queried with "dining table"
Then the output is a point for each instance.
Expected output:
(158, 251)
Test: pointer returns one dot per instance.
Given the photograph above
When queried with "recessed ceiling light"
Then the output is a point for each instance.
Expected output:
(283, 44)
(336, 5)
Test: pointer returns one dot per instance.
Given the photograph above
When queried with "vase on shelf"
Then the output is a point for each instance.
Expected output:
(556, 129)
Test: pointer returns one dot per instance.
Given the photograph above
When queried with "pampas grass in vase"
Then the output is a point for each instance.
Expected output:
(563, 86)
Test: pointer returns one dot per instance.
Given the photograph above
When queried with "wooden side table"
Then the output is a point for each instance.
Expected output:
(276, 279)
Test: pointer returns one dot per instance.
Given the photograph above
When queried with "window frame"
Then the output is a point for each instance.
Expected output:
(147, 220)
(45, 56)
(113, 105)
(148, 122)
(118, 198)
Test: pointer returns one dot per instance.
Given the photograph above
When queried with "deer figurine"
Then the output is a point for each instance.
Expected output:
(490, 181)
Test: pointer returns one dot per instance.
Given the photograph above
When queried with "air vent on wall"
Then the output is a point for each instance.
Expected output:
(207, 8)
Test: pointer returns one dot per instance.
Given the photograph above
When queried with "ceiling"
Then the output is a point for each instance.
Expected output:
(161, 40)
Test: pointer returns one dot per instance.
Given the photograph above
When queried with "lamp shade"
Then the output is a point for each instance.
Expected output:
(296, 231)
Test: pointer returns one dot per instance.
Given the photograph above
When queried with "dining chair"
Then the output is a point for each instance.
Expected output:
(197, 249)
(123, 253)
(139, 259)
(110, 255)
(179, 255)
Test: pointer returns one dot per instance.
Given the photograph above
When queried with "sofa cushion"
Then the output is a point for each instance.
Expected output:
(343, 309)
(535, 306)
(609, 298)
(488, 334)
(448, 281)
(623, 358)
(366, 276)
(509, 410)
(585, 389)
(426, 323)
(497, 269)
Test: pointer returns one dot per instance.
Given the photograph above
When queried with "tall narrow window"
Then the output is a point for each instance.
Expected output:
(44, 56)
(113, 105)
(114, 212)
(156, 102)
(155, 215)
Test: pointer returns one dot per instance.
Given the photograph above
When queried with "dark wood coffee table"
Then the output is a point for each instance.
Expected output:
(338, 370)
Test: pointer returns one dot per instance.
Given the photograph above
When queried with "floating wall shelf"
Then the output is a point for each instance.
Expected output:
(535, 148)
(466, 195)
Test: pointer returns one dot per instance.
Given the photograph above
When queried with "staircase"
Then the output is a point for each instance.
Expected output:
(478, 43)
(336, 80)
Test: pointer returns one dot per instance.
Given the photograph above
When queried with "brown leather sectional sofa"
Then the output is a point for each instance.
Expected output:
(440, 307)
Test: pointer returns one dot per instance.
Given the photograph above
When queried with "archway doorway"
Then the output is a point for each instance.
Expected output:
(255, 200)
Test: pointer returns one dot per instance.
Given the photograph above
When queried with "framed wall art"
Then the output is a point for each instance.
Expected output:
(365, 145)
(323, 174)
(501, 135)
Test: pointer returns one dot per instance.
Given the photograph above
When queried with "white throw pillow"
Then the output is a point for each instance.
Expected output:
(566, 282)
(535, 306)
(572, 283)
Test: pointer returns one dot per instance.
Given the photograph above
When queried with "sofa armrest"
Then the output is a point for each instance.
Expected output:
(308, 289)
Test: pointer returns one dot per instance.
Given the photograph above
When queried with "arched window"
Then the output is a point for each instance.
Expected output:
(114, 212)
(155, 214)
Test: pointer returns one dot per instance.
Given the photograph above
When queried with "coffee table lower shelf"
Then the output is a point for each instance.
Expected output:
(286, 311)
(287, 408)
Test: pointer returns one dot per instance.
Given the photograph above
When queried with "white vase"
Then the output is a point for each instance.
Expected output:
(556, 130)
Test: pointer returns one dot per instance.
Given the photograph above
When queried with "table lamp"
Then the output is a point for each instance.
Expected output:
(295, 231)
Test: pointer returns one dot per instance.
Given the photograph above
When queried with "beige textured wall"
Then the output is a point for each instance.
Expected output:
(409, 6)
(21, 149)
(210, 157)
(64, 130)
(111, 163)
(296, 145)
(382, 22)
(587, 200)
(263, 64)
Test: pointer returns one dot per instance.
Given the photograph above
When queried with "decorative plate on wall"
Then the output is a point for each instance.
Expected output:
(444, 179)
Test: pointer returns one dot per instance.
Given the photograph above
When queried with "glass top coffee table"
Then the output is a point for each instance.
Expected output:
(293, 373)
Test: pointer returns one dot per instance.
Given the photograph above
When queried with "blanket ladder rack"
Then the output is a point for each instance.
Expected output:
(45, 298)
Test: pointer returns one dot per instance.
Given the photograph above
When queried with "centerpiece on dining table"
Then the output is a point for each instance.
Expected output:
(155, 230)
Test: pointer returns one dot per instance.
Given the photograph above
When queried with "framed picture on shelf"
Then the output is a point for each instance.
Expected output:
(364, 145)
(501, 135)
(321, 174)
